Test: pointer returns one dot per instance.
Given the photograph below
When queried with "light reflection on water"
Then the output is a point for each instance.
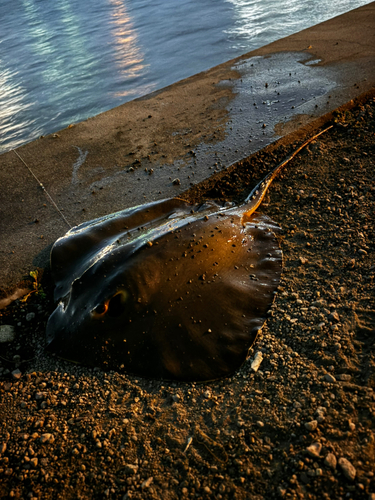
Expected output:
(61, 62)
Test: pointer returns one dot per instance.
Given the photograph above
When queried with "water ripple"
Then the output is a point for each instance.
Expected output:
(61, 62)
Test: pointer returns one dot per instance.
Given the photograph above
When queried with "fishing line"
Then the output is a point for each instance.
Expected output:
(49, 197)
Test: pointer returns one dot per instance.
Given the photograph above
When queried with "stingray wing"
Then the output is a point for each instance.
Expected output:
(84, 245)
(199, 298)
(194, 297)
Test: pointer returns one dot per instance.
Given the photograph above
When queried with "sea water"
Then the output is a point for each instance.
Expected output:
(62, 62)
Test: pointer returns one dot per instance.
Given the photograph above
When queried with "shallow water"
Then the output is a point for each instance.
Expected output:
(61, 62)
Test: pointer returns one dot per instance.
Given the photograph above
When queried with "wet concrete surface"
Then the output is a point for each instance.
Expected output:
(134, 153)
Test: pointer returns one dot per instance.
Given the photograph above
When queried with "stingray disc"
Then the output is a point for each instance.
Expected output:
(164, 290)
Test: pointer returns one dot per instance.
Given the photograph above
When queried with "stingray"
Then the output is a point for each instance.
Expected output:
(166, 290)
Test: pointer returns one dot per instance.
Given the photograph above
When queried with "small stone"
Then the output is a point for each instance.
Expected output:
(347, 468)
(334, 317)
(330, 461)
(34, 462)
(3, 447)
(351, 425)
(258, 358)
(320, 410)
(176, 398)
(281, 491)
(7, 333)
(311, 426)
(47, 438)
(314, 450)
(16, 374)
(131, 469)
(260, 424)
(30, 316)
(344, 377)
(147, 482)
(329, 378)
(207, 394)
(302, 260)
(176, 182)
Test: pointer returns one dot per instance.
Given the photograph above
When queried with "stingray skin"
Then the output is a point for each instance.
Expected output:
(164, 290)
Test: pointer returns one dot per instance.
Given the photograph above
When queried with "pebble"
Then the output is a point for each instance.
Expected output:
(311, 426)
(344, 377)
(30, 316)
(347, 468)
(334, 317)
(7, 333)
(351, 425)
(329, 378)
(147, 482)
(131, 469)
(3, 447)
(16, 374)
(258, 358)
(330, 461)
(314, 449)
(47, 438)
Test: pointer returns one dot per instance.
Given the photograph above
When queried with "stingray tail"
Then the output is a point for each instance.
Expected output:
(256, 196)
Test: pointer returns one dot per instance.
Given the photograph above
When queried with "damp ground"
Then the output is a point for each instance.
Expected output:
(302, 426)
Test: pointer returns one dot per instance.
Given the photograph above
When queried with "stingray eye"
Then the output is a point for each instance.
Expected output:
(113, 306)
(100, 310)
(116, 304)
